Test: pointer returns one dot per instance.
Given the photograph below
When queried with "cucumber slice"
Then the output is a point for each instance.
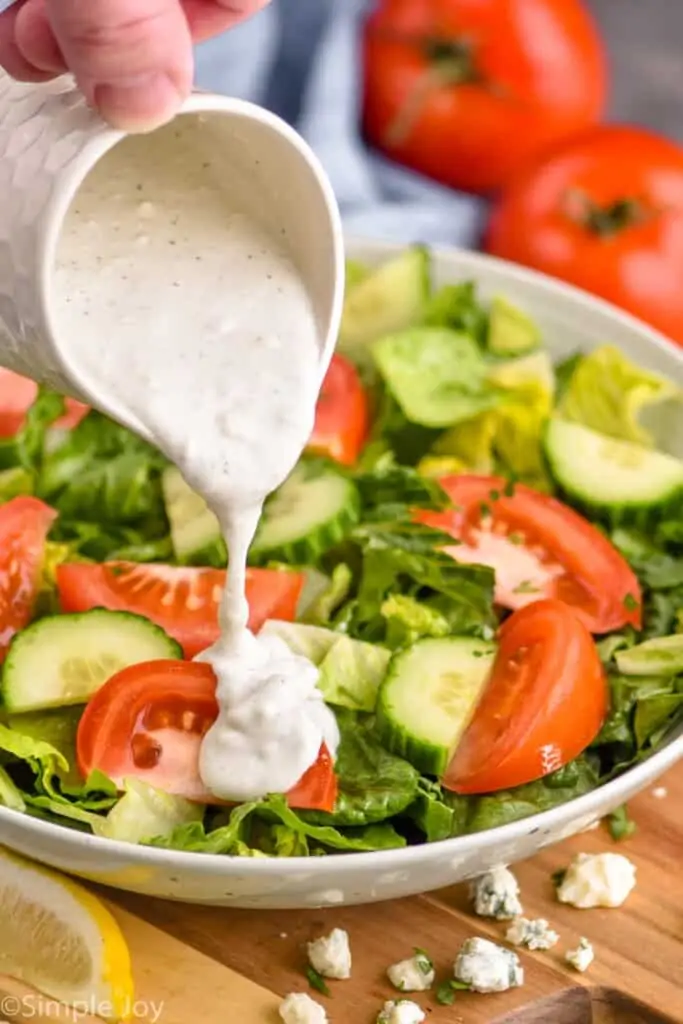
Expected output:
(312, 511)
(195, 533)
(390, 298)
(64, 659)
(511, 331)
(662, 656)
(617, 480)
(429, 696)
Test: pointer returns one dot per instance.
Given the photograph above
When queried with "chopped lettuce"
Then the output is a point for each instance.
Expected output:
(438, 377)
(511, 331)
(322, 608)
(350, 671)
(608, 393)
(235, 837)
(457, 307)
(508, 438)
(143, 812)
(374, 785)
(10, 795)
(440, 814)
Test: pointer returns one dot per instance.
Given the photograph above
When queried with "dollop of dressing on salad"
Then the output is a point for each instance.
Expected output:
(216, 351)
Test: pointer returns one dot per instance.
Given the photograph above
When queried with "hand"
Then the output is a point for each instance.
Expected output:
(131, 58)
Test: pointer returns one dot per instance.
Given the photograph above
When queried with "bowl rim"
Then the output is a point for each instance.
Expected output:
(589, 804)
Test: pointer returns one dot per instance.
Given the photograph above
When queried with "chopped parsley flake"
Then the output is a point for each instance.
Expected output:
(316, 981)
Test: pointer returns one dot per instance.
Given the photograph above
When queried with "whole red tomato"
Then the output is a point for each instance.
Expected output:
(606, 214)
(466, 91)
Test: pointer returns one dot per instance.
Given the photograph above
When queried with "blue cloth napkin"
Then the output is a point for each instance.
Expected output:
(300, 59)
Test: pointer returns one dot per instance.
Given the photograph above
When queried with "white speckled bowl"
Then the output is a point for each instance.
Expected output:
(570, 319)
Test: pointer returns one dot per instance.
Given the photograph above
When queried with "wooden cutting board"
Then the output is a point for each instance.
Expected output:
(221, 966)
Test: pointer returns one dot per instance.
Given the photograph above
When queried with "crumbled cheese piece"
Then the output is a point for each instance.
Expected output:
(299, 1008)
(597, 880)
(413, 975)
(401, 1011)
(331, 955)
(533, 934)
(582, 957)
(486, 967)
(496, 894)
(660, 792)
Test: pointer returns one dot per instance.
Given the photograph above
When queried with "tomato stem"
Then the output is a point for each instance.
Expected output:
(607, 220)
(451, 62)
(454, 58)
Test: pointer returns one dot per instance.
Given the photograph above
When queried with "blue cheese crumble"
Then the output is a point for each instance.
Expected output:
(401, 1011)
(536, 934)
(582, 957)
(597, 880)
(413, 975)
(486, 967)
(331, 955)
(299, 1008)
(496, 894)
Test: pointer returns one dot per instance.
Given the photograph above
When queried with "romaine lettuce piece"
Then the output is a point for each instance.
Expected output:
(608, 393)
(438, 377)
(144, 812)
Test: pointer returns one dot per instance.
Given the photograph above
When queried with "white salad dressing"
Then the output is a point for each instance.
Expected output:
(215, 349)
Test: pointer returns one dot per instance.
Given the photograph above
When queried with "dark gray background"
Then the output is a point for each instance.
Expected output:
(645, 42)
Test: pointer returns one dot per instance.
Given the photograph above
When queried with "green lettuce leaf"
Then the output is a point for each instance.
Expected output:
(374, 785)
(10, 795)
(404, 557)
(457, 307)
(143, 811)
(438, 377)
(608, 393)
(654, 566)
(492, 811)
(234, 837)
(408, 620)
(350, 671)
(508, 438)
(104, 473)
(30, 440)
(439, 814)
(320, 610)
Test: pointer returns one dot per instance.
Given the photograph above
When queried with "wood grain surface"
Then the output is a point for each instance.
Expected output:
(636, 978)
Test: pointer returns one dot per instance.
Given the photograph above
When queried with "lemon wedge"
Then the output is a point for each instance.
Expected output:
(60, 939)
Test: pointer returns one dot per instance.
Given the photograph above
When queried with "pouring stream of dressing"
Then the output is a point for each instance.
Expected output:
(216, 351)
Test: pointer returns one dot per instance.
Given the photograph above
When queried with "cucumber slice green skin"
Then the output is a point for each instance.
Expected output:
(390, 298)
(662, 656)
(618, 482)
(195, 531)
(62, 660)
(312, 512)
(429, 696)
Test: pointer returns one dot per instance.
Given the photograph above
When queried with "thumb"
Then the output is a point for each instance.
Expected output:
(132, 58)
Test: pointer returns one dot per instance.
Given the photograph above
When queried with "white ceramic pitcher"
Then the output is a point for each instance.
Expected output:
(50, 139)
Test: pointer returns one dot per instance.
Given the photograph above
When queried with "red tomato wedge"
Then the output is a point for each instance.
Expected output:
(148, 721)
(545, 702)
(539, 548)
(342, 415)
(183, 601)
(24, 525)
(17, 395)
